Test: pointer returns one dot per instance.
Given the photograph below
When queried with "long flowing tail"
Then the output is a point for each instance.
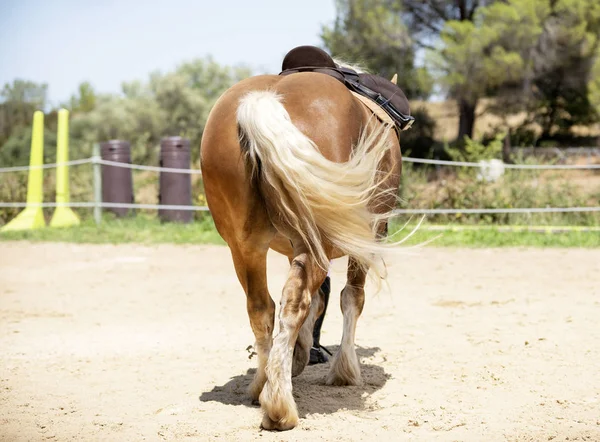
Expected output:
(320, 199)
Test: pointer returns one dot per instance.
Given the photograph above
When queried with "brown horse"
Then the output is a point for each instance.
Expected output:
(298, 164)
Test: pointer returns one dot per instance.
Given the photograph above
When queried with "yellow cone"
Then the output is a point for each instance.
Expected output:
(63, 216)
(33, 217)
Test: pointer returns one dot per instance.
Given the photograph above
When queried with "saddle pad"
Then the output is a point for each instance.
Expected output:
(375, 108)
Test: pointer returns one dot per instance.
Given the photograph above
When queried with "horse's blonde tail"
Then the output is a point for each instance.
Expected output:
(320, 199)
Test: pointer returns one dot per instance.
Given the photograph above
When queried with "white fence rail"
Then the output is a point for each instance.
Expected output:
(97, 162)
(506, 165)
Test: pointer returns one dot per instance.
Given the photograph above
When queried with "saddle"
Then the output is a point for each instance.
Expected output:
(385, 94)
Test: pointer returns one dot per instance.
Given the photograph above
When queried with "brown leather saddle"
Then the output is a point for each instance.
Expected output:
(386, 94)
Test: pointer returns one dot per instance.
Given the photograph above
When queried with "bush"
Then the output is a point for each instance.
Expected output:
(459, 188)
(418, 141)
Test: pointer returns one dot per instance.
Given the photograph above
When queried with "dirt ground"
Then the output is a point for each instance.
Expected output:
(130, 343)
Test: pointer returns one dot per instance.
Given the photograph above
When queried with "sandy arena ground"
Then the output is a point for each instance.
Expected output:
(130, 343)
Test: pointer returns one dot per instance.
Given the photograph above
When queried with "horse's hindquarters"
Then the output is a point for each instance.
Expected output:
(291, 163)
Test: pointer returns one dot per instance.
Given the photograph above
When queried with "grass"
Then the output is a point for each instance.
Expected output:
(501, 236)
(140, 229)
(144, 229)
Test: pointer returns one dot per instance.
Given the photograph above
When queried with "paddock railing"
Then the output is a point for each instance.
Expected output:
(97, 162)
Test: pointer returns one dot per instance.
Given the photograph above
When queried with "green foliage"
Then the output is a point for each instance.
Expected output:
(534, 55)
(460, 188)
(419, 140)
(469, 64)
(594, 90)
(16, 149)
(18, 102)
(85, 100)
(24, 92)
(474, 151)
(171, 104)
(465, 236)
(372, 34)
(561, 67)
(424, 188)
(476, 58)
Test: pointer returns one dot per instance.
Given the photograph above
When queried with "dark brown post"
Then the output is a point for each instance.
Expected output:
(175, 188)
(117, 182)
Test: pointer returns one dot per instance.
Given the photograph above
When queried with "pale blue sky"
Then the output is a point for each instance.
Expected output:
(106, 42)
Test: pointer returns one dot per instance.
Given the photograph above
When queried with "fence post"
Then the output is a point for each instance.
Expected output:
(175, 188)
(97, 184)
(63, 215)
(117, 182)
(33, 216)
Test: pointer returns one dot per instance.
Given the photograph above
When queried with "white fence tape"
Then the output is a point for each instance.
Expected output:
(198, 172)
(396, 212)
(46, 166)
(150, 168)
(97, 160)
(512, 210)
(506, 165)
(108, 206)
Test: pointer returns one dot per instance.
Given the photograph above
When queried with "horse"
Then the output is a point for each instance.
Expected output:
(298, 164)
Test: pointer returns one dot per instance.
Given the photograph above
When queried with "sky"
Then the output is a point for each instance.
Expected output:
(106, 42)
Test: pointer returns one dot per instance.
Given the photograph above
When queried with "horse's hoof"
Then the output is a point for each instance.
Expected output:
(280, 425)
(339, 381)
(300, 359)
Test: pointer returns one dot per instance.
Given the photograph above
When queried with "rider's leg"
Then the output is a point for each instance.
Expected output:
(316, 353)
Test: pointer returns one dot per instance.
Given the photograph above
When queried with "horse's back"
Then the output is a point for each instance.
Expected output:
(320, 106)
(324, 110)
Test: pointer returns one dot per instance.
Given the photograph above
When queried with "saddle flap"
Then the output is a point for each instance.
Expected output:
(389, 90)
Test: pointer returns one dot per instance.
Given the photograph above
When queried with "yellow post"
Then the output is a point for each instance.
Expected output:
(63, 216)
(33, 217)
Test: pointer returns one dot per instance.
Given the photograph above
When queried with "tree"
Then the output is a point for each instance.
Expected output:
(594, 90)
(426, 18)
(170, 104)
(84, 100)
(371, 33)
(561, 66)
(18, 102)
(532, 56)
(387, 34)
(427, 22)
(479, 56)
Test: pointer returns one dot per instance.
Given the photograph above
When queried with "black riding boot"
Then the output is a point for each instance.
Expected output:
(316, 352)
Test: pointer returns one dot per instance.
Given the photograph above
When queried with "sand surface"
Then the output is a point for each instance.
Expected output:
(130, 343)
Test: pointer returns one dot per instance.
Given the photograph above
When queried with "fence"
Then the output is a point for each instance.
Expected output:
(98, 204)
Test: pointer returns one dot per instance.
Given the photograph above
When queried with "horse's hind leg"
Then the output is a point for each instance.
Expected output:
(250, 260)
(276, 399)
(305, 337)
(345, 369)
